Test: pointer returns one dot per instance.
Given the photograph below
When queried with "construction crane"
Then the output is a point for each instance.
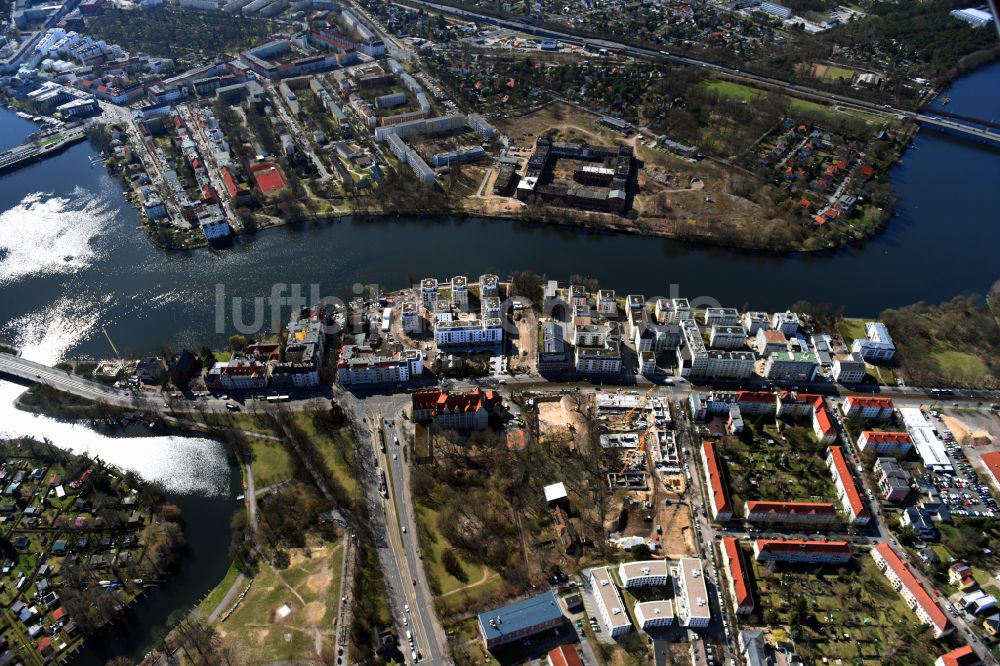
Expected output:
(641, 444)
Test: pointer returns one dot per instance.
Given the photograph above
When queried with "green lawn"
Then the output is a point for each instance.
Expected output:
(271, 463)
(834, 72)
(218, 593)
(732, 89)
(964, 366)
(851, 329)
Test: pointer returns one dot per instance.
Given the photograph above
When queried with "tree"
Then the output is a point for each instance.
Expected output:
(451, 563)
(237, 343)
(993, 299)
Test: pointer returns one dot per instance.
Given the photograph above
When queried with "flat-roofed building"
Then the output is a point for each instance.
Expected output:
(931, 450)
(727, 337)
(644, 573)
(847, 489)
(757, 402)
(755, 321)
(521, 620)
(891, 442)
(609, 602)
(791, 366)
(913, 593)
(737, 575)
(799, 552)
(767, 342)
(652, 614)
(718, 492)
(791, 513)
(691, 593)
(722, 317)
(851, 370)
(892, 480)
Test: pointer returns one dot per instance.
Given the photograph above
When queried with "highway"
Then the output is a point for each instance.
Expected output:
(654, 55)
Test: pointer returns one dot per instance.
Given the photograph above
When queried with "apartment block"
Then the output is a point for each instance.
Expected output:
(851, 370)
(847, 488)
(718, 495)
(767, 342)
(791, 513)
(722, 317)
(755, 321)
(877, 346)
(361, 365)
(802, 552)
(727, 337)
(691, 594)
(872, 408)
(892, 480)
(644, 573)
(913, 593)
(886, 442)
(737, 575)
(791, 366)
(652, 614)
(787, 322)
(609, 602)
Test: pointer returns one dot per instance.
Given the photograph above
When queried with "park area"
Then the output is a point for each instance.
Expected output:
(846, 614)
(782, 464)
(287, 614)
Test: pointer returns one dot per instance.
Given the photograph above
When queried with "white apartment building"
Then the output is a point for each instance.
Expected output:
(851, 370)
(691, 593)
(609, 602)
(590, 335)
(787, 322)
(727, 337)
(644, 573)
(410, 317)
(489, 285)
(722, 317)
(652, 614)
(672, 310)
(913, 593)
(607, 305)
(599, 360)
(755, 321)
(360, 365)
(471, 331)
(460, 291)
(729, 364)
(878, 346)
(429, 292)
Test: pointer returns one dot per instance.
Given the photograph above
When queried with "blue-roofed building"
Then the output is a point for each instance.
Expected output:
(520, 620)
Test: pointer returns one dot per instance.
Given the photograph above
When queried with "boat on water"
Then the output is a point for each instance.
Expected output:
(22, 114)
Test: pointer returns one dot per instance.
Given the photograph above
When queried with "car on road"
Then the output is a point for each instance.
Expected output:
(414, 581)
(406, 608)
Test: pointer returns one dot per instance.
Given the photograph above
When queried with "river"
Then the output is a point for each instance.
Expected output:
(73, 265)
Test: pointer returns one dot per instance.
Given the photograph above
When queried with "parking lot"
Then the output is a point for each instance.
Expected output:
(963, 491)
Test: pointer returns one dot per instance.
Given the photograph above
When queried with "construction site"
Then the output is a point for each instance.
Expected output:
(644, 470)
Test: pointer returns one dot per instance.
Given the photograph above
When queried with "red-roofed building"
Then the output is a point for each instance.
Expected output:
(45, 647)
(718, 496)
(812, 552)
(791, 513)
(991, 461)
(756, 402)
(564, 655)
(737, 575)
(963, 656)
(867, 172)
(793, 405)
(892, 442)
(822, 422)
(469, 411)
(868, 407)
(913, 593)
(239, 193)
(847, 489)
(269, 178)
